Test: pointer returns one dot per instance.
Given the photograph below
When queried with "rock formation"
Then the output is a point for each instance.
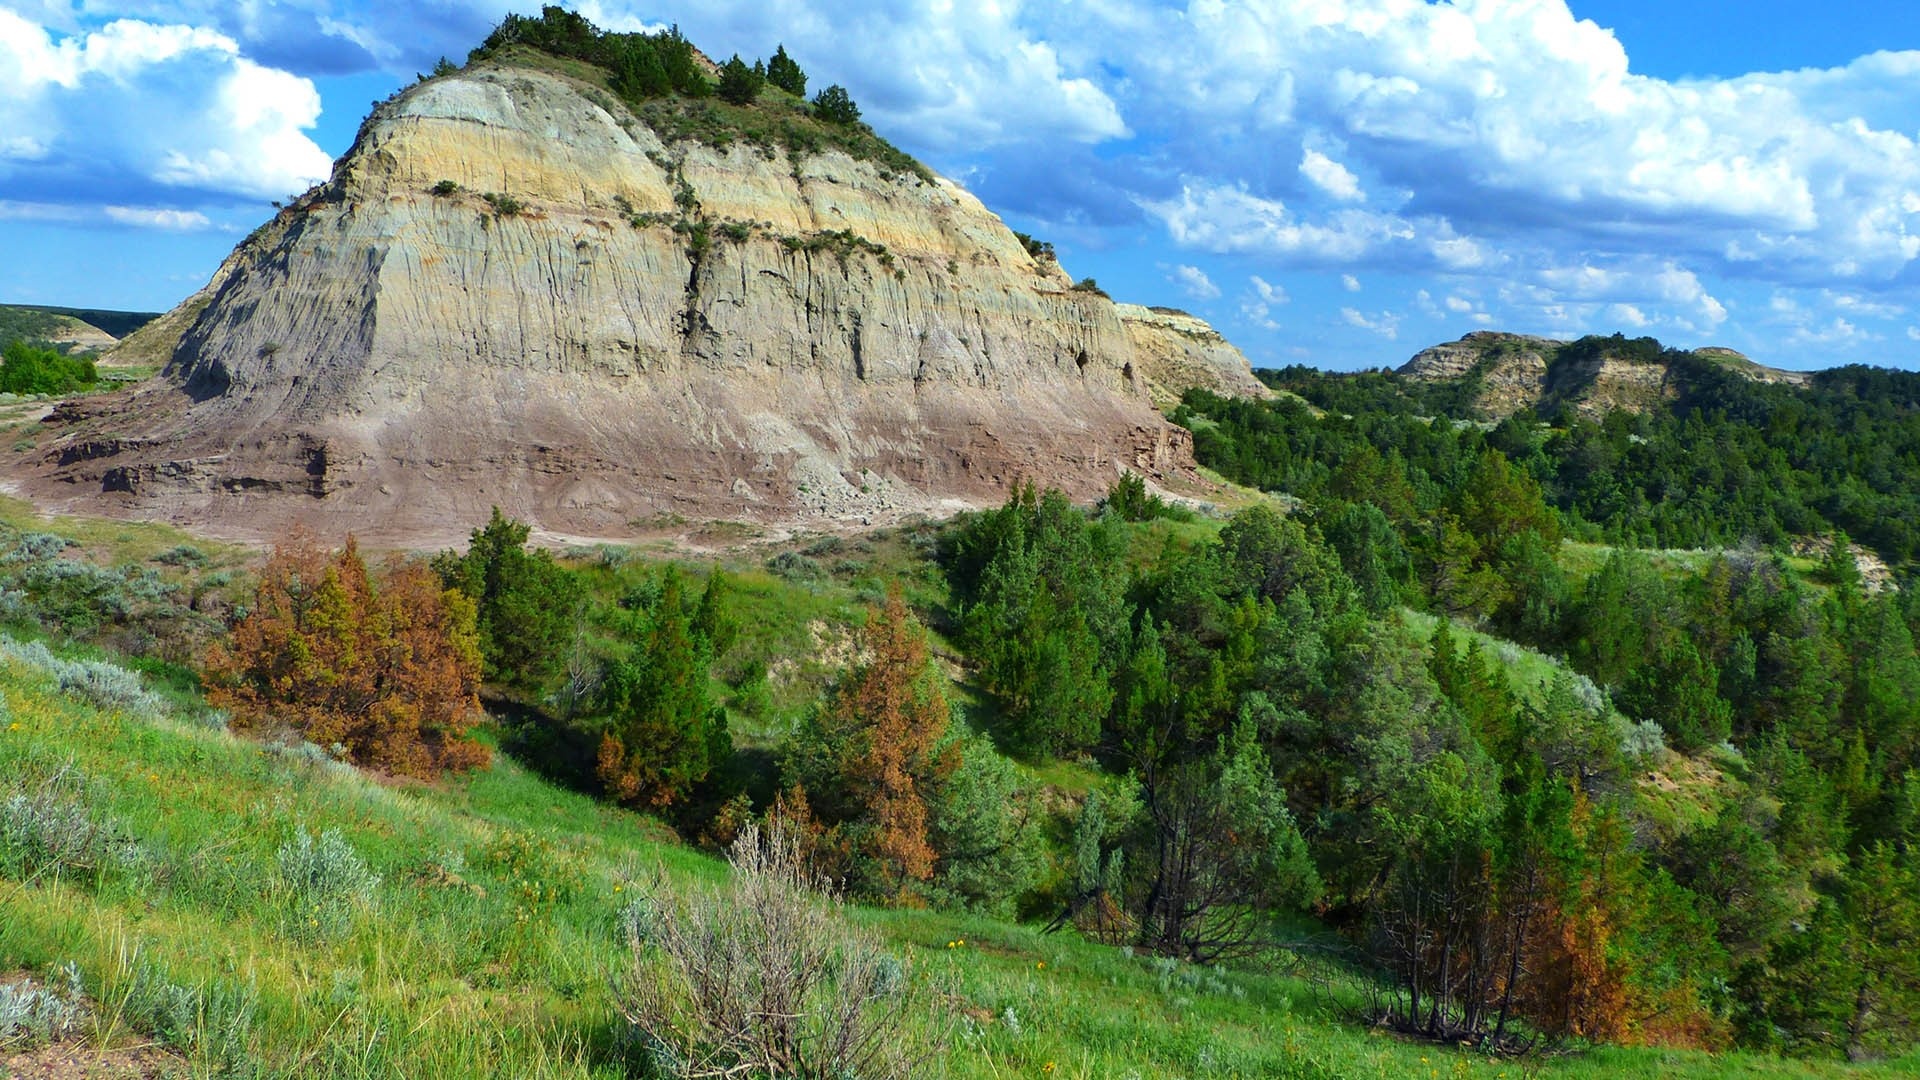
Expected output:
(1511, 369)
(512, 291)
(1513, 373)
(1176, 351)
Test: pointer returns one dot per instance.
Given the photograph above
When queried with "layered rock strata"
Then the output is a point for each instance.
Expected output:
(513, 292)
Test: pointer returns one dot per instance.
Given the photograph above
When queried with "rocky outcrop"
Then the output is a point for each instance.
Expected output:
(1514, 373)
(1599, 385)
(1175, 351)
(1510, 370)
(513, 292)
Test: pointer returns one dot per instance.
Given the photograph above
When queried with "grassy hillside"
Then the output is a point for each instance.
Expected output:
(489, 945)
(472, 926)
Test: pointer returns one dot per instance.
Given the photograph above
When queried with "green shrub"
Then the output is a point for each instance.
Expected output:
(797, 568)
(504, 205)
(26, 369)
(1039, 249)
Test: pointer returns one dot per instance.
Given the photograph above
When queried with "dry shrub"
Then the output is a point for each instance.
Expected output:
(385, 668)
(764, 977)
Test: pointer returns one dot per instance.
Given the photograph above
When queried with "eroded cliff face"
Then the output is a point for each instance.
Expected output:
(1176, 351)
(627, 327)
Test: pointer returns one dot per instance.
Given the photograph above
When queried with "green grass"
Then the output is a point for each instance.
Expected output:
(1582, 560)
(483, 957)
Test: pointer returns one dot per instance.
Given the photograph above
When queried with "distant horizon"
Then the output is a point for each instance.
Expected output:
(1339, 185)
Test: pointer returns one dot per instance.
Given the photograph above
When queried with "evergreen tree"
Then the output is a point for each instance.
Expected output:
(663, 734)
(785, 74)
(527, 602)
(1680, 690)
(739, 84)
(638, 70)
(835, 106)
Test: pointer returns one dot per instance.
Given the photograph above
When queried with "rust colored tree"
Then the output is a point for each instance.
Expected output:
(877, 746)
(385, 669)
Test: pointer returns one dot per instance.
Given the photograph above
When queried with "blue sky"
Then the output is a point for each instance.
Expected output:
(1333, 182)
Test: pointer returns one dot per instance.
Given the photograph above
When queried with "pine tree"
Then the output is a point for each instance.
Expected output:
(527, 602)
(785, 74)
(663, 734)
(739, 84)
(835, 106)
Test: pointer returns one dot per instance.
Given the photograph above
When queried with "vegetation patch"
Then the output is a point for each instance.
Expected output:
(762, 104)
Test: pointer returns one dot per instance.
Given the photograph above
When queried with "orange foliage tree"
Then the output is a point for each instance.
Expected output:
(385, 669)
(874, 754)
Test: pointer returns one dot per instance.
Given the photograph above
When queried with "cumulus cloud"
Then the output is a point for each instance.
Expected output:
(1628, 316)
(1331, 177)
(1349, 283)
(1194, 282)
(1509, 141)
(1838, 331)
(133, 113)
(1639, 281)
(1230, 219)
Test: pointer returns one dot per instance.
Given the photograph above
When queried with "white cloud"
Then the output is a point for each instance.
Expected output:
(1229, 219)
(1638, 283)
(1331, 177)
(1459, 305)
(139, 217)
(1861, 306)
(153, 218)
(1385, 323)
(1503, 111)
(1913, 333)
(1838, 332)
(1628, 316)
(1349, 283)
(1257, 305)
(134, 107)
(1194, 282)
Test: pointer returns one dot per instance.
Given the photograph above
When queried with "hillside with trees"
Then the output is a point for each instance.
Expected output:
(1570, 745)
